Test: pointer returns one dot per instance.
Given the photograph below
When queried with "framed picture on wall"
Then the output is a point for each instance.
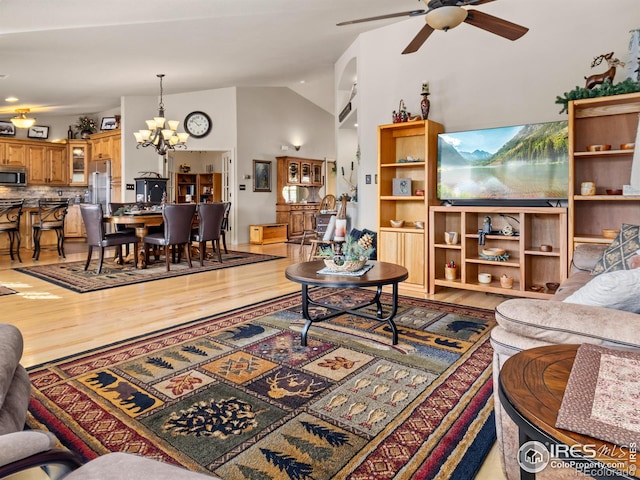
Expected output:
(7, 129)
(38, 131)
(261, 176)
(108, 123)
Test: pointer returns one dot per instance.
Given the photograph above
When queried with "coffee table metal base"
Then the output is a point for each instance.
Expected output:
(380, 274)
(307, 301)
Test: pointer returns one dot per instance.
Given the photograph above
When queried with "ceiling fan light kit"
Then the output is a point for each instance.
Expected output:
(444, 18)
(447, 14)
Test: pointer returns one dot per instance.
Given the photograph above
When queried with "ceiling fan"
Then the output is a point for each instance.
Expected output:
(447, 14)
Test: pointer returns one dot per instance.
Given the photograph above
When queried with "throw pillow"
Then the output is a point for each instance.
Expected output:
(617, 255)
(619, 290)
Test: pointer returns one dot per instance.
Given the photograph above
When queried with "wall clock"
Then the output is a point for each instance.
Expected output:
(197, 124)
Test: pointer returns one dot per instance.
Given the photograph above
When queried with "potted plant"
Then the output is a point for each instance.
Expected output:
(349, 256)
(86, 126)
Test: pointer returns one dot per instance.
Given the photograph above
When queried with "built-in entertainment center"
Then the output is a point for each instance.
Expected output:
(504, 205)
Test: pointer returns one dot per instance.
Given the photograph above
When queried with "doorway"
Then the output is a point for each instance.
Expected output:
(207, 161)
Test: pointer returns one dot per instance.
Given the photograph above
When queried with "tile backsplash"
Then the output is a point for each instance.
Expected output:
(32, 193)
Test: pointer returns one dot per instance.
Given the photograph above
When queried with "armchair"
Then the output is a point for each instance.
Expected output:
(15, 387)
(25, 450)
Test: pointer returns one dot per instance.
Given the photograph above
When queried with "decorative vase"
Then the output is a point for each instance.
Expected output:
(450, 273)
(85, 134)
(341, 222)
(425, 105)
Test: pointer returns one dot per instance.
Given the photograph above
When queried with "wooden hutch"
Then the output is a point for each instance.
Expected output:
(299, 183)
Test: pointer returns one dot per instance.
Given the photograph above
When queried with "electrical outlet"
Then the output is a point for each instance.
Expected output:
(59, 193)
(131, 186)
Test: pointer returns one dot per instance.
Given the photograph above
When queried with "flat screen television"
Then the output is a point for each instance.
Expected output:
(517, 165)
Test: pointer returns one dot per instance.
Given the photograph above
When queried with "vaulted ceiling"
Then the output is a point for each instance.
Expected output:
(66, 57)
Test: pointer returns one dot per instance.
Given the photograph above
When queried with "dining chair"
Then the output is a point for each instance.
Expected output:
(178, 219)
(50, 216)
(225, 225)
(10, 213)
(113, 208)
(210, 216)
(97, 236)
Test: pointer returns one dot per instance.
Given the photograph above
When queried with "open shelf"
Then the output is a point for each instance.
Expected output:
(527, 264)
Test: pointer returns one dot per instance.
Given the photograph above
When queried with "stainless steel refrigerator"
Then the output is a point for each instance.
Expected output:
(100, 183)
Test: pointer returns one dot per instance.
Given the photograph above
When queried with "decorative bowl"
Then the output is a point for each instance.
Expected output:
(614, 191)
(610, 232)
(484, 277)
(493, 252)
(552, 286)
(397, 223)
(536, 288)
(598, 148)
(347, 266)
(420, 193)
(546, 248)
(627, 146)
(418, 224)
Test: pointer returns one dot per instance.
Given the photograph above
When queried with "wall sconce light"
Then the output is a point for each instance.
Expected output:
(297, 147)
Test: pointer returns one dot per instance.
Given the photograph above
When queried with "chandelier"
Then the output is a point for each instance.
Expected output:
(157, 136)
(22, 121)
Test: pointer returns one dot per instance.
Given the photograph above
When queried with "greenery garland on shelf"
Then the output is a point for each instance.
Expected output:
(604, 90)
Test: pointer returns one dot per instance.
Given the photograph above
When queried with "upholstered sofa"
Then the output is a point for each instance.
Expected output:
(529, 323)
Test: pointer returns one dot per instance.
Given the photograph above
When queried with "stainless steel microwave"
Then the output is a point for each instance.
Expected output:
(15, 176)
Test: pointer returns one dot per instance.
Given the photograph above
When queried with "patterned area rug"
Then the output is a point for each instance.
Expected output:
(6, 291)
(238, 396)
(72, 275)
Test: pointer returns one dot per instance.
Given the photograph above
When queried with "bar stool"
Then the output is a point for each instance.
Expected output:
(51, 215)
(10, 213)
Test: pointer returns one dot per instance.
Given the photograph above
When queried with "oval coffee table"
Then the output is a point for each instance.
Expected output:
(381, 274)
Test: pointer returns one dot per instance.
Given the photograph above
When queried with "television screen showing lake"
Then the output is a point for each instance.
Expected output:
(510, 163)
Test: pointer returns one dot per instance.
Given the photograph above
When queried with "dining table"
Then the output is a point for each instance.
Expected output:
(141, 221)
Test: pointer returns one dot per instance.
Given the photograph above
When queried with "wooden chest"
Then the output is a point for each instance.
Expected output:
(268, 233)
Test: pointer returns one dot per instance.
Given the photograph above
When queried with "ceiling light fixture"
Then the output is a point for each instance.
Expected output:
(157, 136)
(22, 121)
(444, 18)
(11, 99)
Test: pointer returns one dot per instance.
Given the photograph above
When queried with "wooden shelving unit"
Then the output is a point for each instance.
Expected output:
(209, 187)
(186, 184)
(527, 264)
(407, 151)
(596, 121)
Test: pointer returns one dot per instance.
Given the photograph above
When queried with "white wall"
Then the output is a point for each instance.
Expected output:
(478, 79)
(269, 117)
(219, 104)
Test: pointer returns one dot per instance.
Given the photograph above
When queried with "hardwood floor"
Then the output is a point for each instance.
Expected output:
(56, 322)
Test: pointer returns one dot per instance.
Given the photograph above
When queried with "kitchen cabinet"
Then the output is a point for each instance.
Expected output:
(13, 153)
(47, 164)
(73, 224)
(78, 152)
(107, 145)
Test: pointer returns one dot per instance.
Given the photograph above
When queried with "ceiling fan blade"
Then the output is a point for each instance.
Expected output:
(463, 3)
(495, 25)
(410, 13)
(418, 40)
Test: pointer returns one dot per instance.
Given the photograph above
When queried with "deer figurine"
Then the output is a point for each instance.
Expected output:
(598, 79)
